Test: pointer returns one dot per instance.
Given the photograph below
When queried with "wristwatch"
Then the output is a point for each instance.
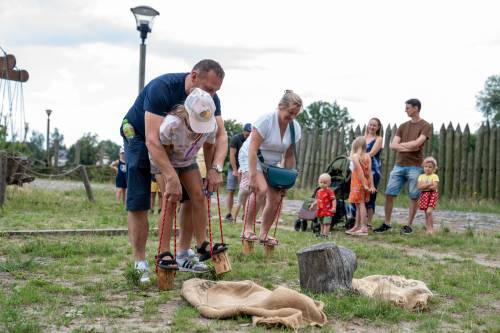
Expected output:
(217, 168)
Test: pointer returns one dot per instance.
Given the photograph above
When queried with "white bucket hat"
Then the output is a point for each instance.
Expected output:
(201, 108)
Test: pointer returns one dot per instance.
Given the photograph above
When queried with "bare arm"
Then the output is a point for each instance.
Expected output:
(213, 177)
(252, 158)
(376, 147)
(357, 166)
(415, 144)
(159, 156)
(232, 160)
(114, 165)
(289, 158)
(433, 186)
(372, 187)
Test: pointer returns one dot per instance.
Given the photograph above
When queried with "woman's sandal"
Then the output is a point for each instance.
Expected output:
(204, 254)
(269, 241)
(250, 236)
(167, 264)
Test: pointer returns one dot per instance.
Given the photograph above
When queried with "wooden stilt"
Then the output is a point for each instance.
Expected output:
(247, 246)
(268, 250)
(221, 262)
(165, 279)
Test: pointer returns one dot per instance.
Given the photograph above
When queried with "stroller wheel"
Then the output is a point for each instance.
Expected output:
(304, 225)
(298, 224)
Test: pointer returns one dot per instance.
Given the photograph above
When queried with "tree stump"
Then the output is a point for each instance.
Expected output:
(326, 267)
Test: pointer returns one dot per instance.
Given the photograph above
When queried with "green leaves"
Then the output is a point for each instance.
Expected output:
(324, 115)
(488, 99)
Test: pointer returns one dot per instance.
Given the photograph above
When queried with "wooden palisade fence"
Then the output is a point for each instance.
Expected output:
(469, 164)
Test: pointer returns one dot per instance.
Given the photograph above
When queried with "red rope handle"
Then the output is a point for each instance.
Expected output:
(220, 218)
(209, 223)
(255, 210)
(175, 229)
(162, 227)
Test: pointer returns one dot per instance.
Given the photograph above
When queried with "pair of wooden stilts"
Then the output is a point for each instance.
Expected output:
(220, 260)
(248, 244)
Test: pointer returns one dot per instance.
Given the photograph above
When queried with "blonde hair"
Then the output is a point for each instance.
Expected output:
(180, 112)
(325, 176)
(358, 146)
(432, 160)
(290, 99)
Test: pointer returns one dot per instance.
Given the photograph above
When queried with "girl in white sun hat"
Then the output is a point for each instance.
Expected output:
(183, 132)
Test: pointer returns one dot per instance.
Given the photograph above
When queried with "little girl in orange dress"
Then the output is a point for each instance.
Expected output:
(361, 184)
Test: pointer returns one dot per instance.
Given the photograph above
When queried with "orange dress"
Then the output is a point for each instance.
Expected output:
(358, 194)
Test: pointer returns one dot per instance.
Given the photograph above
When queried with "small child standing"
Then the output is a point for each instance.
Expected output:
(428, 185)
(361, 184)
(121, 177)
(325, 203)
(155, 191)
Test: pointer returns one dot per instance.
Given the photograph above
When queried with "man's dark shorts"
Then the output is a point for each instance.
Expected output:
(138, 174)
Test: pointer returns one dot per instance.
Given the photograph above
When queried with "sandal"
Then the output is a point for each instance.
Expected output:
(269, 241)
(167, 264)
(250, 236)
(204, 254)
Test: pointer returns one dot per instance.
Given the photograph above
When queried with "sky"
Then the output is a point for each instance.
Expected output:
(369, 56)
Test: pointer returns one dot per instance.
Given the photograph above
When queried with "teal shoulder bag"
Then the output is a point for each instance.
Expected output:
(280, 178)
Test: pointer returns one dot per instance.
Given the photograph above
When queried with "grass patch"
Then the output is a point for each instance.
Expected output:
(88, 283)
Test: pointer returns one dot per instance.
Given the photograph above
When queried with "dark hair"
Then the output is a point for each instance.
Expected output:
(379, 125)
(207, 65)
(415, 103)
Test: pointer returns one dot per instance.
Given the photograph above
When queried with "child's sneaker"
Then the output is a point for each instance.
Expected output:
(142, 268)
(406, 230)
(191, 263)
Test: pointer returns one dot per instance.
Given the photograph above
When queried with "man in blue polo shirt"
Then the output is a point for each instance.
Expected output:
(140, 130)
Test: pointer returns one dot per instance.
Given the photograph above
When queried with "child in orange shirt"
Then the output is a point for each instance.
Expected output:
(361, 184)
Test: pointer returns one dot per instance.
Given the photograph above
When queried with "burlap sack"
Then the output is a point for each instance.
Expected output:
(225, 299)
(410, 294)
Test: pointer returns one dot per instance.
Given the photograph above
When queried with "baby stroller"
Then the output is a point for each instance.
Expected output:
(341, 185)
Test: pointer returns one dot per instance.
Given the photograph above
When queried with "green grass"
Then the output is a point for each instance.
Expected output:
(84, 284)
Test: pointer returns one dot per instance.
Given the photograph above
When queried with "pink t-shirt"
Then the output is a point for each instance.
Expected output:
(184, 143)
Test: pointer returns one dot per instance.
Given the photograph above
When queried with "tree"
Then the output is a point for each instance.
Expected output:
(232, 128)
(488, 99)
(324, 115)
(108, 148)
(88, 149)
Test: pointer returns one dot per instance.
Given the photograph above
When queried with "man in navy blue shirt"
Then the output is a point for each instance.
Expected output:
(140, 129)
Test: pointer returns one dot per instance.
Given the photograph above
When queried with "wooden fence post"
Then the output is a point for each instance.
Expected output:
(357, 132)
(497, 183)
(448, 171)
(341, 144)
(476, 188)
(322, 149)
(457, 153)
(309, 159)
(3, 176)
(335, 143)
(306, 156)
(384, 158)
(491, 162)
(302, 151)
(328, 152)
(484, 162)
(392, 153)
(442, 157)
(464, 167)
(86, 183)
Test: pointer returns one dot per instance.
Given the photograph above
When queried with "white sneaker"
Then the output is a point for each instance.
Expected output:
(142, 268)
(191, 264)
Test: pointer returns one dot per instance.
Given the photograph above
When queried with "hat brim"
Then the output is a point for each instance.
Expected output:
(201, 127)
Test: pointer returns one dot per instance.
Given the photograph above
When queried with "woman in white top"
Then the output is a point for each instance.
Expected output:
(270, 134)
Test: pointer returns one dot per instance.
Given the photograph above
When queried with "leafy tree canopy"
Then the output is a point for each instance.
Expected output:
(324, 115)
(488, 99)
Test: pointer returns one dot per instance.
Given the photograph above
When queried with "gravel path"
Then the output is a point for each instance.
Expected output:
(454, 220)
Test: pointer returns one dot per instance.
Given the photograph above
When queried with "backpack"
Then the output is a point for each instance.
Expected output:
(341, 176)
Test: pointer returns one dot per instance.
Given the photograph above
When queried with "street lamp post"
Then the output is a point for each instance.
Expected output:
(48, 111)
(144, 17)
